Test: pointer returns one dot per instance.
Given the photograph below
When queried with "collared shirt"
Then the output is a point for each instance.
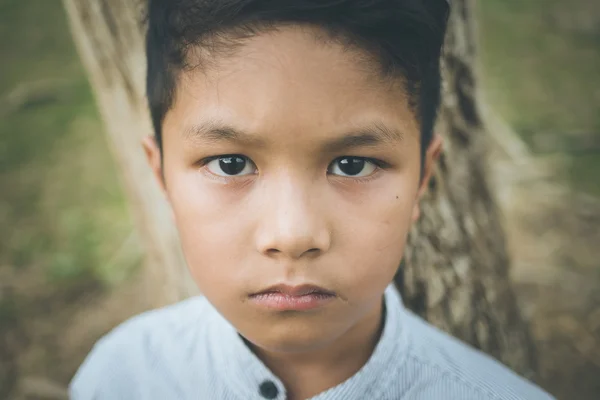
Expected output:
(189, 351)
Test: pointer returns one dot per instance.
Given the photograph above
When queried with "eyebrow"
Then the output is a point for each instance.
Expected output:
(371, 135)
(215, 131)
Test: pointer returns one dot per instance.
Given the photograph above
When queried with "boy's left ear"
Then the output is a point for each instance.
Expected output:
(432, 154)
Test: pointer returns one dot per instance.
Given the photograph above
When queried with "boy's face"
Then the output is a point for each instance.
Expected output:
(289, 162)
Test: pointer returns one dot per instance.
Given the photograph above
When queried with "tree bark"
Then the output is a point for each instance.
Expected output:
(109, 36)
(456, 267)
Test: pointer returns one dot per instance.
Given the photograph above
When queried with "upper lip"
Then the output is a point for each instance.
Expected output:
(295, 290)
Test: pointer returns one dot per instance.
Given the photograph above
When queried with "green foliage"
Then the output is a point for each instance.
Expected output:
(62, 209)
(541, 63)
(540, 66)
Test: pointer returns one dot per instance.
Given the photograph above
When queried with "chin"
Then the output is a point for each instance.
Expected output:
(292, 338)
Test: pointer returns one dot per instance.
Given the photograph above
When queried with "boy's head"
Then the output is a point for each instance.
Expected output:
(293, 139)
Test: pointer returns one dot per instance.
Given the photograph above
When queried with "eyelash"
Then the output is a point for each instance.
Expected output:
(381, 165)
(207, 160)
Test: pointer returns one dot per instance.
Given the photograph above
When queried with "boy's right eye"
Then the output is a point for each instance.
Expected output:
(231, 165)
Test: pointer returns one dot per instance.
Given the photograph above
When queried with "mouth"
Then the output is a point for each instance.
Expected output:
(293, 298)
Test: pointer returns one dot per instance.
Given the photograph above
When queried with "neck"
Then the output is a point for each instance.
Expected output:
(307, 374)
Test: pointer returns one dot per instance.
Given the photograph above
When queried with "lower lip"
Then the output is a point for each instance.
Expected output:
(285, 302)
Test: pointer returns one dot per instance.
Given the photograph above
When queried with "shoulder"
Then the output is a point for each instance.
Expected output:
(144, 347)
(449, 368)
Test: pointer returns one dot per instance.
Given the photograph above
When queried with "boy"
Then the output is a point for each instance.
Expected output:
(293, 139)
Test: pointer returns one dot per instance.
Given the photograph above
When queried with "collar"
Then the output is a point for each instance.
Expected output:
(249, 378)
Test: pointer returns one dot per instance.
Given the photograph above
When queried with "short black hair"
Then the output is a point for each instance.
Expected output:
(405, 36)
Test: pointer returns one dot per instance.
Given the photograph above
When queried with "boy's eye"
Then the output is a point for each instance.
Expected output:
(234, 165)
(352, 166)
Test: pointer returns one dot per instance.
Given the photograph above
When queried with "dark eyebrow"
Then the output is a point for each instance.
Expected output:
(371, 135)
(368, 136)
(215, 131)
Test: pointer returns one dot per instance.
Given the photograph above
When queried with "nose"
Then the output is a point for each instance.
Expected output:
(292, 225)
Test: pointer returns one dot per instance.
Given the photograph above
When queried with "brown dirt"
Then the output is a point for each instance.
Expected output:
(56, 329)
(554, 236)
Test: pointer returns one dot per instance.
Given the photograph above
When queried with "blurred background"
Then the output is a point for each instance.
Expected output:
(67, 241)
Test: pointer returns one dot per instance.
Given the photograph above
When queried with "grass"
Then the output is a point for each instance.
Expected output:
(540, 61)
(62, 208)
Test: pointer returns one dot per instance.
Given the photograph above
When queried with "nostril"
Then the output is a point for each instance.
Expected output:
(277, 252)
(273, 251)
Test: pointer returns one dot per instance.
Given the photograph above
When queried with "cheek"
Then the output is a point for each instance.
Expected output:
(374, 237)
(383, 216)
(212, 231)
(382, 234)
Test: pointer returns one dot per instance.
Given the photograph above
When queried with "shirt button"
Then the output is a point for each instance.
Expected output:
(268, 390)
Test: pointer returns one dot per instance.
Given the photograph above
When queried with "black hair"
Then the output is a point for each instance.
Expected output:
(404, 36)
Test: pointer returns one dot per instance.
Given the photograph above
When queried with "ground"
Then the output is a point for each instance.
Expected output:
(69, 257)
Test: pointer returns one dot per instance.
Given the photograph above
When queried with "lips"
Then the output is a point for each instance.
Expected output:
(296, 291)
(293, 298)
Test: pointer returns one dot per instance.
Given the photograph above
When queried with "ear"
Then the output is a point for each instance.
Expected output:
(154, 160)
(432, 154)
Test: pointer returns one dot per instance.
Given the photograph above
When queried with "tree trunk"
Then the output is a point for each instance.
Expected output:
(109, 36)
(456, 267)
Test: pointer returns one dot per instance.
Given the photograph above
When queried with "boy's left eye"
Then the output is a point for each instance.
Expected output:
(352, 167)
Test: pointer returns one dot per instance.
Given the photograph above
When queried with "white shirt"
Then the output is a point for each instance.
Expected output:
(189, 351)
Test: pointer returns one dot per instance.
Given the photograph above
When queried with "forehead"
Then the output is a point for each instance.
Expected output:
(290, 82)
